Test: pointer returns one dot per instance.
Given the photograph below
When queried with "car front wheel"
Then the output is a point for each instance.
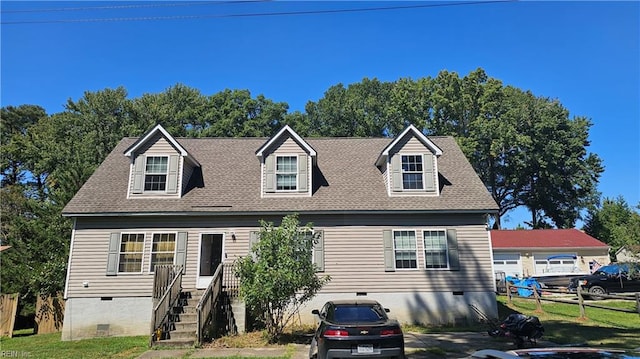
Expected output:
(597, 292)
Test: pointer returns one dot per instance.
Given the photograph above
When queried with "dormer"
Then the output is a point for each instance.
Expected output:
(160, 166)
(286, 165)
(410, 165)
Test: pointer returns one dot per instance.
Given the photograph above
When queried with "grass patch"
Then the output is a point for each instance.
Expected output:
(50, 346)
(562, 324)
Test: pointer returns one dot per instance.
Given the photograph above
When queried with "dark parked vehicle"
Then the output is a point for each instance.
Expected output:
(356, 328)
(613, 278)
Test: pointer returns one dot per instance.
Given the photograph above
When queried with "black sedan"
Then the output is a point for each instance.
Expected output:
(356, 328)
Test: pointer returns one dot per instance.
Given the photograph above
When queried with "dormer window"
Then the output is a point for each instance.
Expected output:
(155, 176)
(160, 166)
(287, 165)
(410, 164)
(286, 173)
(412, 172)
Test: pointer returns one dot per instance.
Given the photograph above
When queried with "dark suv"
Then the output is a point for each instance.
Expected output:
(613, 278)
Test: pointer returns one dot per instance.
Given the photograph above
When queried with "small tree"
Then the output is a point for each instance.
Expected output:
(278, 276)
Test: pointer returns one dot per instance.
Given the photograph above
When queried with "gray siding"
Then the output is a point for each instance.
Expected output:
(159, 146)
(287, 146)
(354, 256)
(412, 145)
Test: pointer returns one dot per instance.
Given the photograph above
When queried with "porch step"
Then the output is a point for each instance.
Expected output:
(176, 343)
(183, 334)
(183, 321)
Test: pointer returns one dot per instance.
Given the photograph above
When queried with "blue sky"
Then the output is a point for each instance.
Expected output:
(585, 54)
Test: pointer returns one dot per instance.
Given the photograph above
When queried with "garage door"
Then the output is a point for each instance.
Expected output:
(509, 263)
(555, 263)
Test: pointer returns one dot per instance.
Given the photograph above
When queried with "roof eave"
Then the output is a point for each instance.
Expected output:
(254, 213)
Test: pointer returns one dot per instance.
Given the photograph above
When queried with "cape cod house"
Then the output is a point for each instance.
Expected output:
(402, 221)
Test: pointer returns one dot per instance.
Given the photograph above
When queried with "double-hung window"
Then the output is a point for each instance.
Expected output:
(435, 249)
(286, 173)
(412, 172)
(131, 249)
(155, 176)
(404, 244)
(162, 249)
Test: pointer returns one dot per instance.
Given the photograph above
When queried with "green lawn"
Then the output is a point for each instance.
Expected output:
(563, 326)
(49, 346)
(561, 323)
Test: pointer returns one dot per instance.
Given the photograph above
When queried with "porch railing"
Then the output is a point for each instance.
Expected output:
(231, 281)
(207, 307)
(167, 284)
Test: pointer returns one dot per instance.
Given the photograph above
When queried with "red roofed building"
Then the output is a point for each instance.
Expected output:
(544, 251)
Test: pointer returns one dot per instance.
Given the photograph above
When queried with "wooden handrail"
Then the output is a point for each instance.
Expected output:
(170, 294)
(207, 304)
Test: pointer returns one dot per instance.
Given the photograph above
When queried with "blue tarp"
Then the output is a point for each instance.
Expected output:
(527, 282)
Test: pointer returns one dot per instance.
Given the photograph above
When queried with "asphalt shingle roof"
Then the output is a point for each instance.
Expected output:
(346, 169)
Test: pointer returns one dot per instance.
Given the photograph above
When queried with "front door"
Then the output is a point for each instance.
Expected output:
(210, 257)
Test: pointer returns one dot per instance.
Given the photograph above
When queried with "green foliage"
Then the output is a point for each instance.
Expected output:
(278, 276)
(615, 222)
(526, 149)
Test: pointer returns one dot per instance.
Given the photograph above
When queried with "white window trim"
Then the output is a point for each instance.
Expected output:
(166, 174)
(144, 245)
(417, 250)
(402, 172)
(175, 247)
(297, 173)
(424, 249)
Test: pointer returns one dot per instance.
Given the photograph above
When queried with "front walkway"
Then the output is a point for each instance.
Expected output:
(417, 346)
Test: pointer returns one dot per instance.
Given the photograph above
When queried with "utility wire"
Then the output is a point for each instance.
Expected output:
(130, 6)
(282, 13)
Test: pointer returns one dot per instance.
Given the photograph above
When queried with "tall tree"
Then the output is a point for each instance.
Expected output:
(355, 111)
(560, 175)
(614, 222)
(234, 113)
(14, 124)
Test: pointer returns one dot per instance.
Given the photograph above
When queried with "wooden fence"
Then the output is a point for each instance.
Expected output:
(8, 309)
(49, 314)
(581, 302)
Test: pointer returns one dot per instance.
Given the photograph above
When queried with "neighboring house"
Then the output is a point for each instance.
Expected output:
(629, 253)
(402, 221)
(525, 253)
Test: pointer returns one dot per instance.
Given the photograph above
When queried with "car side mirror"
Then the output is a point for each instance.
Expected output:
(386, 310)
(316, 312)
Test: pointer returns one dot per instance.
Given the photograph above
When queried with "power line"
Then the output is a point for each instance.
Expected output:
(281, 13)
(130, 6)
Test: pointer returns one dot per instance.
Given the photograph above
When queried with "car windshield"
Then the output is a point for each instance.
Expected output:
(357, 314)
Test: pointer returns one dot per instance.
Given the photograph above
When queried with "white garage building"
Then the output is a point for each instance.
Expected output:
(525, 253)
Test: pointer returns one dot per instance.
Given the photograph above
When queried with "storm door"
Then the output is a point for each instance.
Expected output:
(210, 257)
